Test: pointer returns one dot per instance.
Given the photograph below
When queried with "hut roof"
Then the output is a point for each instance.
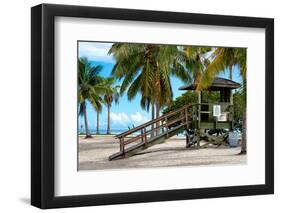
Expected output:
(217, 84)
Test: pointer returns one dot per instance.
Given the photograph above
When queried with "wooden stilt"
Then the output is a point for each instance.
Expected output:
(187, 140)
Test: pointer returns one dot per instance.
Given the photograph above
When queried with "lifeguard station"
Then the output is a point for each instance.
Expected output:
(208, 115)
(194, 119)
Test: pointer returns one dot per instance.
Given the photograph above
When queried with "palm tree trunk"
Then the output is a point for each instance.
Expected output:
(88, 135)
(108, 119)
(244, 129)
(244, 135)
(98, 123)
(230, 71)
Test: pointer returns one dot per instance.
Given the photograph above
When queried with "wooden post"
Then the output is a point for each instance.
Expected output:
(141, 135)
(198, 134)
(122, 146)
(145, 136)
(186, 117)
(231, 97)
(162, 129)
(187, 140)
(216, 122)
(167, 130)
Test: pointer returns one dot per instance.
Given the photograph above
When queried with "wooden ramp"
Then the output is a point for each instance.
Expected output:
(153, 132)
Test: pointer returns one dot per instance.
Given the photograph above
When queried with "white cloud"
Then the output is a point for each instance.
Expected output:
(138, 118)
(95, 51)
(120, 118)
(124, 119)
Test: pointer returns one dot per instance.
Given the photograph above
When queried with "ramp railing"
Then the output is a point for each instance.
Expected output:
(157, 127)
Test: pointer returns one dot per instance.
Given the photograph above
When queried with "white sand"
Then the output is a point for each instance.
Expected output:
(94, 153)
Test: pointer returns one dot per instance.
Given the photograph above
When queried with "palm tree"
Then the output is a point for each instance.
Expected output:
(83, 112)
(90, 87)
(241, 54)
(224, 58)
(195, 60)
(227, 57)
(221, 59)
(111, 95)
(98, 111)
(146, 69)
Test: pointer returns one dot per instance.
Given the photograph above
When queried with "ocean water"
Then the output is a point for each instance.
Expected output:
(103, 131)
(115, 131)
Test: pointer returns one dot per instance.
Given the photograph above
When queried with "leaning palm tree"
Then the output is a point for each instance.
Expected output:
(146, 69)
(241, 54)
(112, 94)
(225, 58)
(221, 60)
(90, 87)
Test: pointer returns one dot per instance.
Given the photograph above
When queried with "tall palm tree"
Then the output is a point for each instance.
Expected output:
(146, 69)
(111, 95)
(98, 110)
(83, 112)
(90, 87)
(241, 54)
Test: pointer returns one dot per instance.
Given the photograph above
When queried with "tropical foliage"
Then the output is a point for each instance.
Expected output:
(185, 99)
(238, 105)
(90, 89)
(223, 59)
(112, 94)
(195, 60)
(190, 97)
(147, 69)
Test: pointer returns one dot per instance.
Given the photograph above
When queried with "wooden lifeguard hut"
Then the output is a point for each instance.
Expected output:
(208, 115)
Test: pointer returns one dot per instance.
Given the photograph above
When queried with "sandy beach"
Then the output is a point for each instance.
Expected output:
(94, 152)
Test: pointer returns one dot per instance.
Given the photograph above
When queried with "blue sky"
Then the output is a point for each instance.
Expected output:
(126, 113)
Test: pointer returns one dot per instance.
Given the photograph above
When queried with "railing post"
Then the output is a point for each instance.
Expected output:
(167, 131)
(145, 136)
(182, 116)
(141, 135)
(152, 130)
(122, 146)
(186, 117)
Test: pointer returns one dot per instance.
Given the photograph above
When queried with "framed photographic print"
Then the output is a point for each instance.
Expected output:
(139, 106)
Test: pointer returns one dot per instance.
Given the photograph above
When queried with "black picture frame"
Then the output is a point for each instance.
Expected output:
(43, 117)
